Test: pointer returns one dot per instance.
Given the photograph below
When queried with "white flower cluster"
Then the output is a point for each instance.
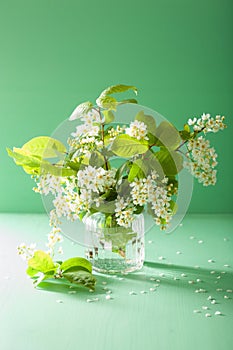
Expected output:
(160, 203)
(70, 202)
(138, 130)
(207, 124)
(124, 211)
(202, 160)
(62, 204)
(84, 146)
(54, 237)
(96, 179)
(147, 190)
(47, 184)
(87, 130)
(26, 252)
(92, 117)
(65, 201)
(53, 219)
(115, 132)
(87, 138)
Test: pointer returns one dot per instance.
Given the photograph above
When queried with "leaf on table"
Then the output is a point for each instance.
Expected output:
(81, 277)
(77, 263)
(42, 262)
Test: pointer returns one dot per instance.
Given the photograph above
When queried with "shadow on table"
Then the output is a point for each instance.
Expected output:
(166, 274)
(186, 276)
(68, 288)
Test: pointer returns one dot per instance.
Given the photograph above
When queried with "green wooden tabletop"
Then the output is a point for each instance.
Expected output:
(181, 299)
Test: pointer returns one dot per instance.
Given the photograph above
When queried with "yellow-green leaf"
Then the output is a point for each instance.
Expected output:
(129, 100)
(44, 146)
(118, 88)
(126, 146)
(23, 157)
(107, 102)
(108, 116)
(77, 264)
(41, 262)
(136, 170)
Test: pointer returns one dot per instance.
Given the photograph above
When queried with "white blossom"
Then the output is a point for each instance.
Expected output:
(201, 160)
(137, 129)
(48, 184)
(148, 190)
(26, 251)
(96, 179)
(54, 237)
(124, 212)
(86, 130)
(206, 123)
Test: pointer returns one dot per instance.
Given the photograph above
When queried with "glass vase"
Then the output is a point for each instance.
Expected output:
(113, 248)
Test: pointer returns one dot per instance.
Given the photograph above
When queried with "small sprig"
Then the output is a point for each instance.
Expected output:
(75, 270)
(206, 123)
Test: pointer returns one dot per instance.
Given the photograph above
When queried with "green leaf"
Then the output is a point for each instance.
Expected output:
(129, 100)
(173, 207)
(136, 171)
(77, 264)
(30, 155)
(146, 164)
(118, 88)
(44, 147)
(148, 120)
(31, 164)
(56, 170)
(120, 171)
(97, 159)
(105, 152)
(138, 209)
(23, 157)
(187, 128)
(81, 277)
(126, 146)
(41, 262)
(109, 195)
(108, 116)
(185, 135)
(107, 102)
(171, 161)
(31, 272)
(81, 109)
(167, 135)
(106, 207)
(124, 188)
(73, 165)
(119, 241)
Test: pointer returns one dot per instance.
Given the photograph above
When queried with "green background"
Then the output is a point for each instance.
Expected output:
(56, 54)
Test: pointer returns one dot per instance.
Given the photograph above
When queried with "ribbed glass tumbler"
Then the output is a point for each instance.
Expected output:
(113, 248)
